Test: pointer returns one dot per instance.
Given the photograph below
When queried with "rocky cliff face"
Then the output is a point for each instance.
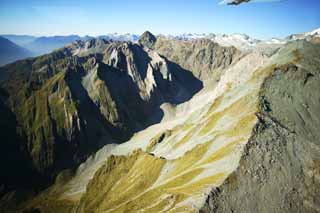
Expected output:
(206, 59)
(147, 39)
(279, 170)
(55, 117)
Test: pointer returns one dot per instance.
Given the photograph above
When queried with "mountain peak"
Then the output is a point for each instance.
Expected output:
(147, 39)
(148, 34)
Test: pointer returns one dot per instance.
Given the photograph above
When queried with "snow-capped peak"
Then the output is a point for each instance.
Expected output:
(315, 32)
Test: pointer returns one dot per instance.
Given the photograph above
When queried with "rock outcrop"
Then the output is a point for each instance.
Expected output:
(147, 39)
(206, 59)
(279, 170)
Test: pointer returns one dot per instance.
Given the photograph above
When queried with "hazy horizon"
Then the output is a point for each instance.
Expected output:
(139, 34)
(258, 20)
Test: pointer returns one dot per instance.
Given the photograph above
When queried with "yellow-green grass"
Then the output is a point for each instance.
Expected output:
(242, 105)
(200, 185)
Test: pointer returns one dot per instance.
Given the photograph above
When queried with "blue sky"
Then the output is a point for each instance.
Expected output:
(97, 17)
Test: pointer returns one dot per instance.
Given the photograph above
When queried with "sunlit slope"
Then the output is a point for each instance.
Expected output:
(175, 169)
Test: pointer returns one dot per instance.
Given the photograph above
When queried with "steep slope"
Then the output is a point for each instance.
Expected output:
(52, 112)
(282, 156)
(147, 39)
(12, 154)
(205, 58)
(10, 52)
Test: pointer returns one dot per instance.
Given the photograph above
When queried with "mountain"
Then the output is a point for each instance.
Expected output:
(20, 40)
(162, 125)
(244, 42)
(67, 105)
(307, 35)
(315, 32)
(205, 58)
(147, 39)
(10, 52)
(240, 41)
(43, 45)
(280, 159)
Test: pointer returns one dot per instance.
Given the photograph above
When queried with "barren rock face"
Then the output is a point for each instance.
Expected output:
(281, 158)
(147, 39)
(203, 57)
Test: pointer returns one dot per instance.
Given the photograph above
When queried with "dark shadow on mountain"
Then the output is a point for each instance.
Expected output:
(95, 129)
(16, 166)
(141, 113)
(141, 59)
(133, 110)
(184, 86)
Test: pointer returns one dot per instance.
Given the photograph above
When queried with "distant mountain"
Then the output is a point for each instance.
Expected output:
(10, 52)
(307, 35)
(147, 39)
(315, 32)
(43, 45)
(20, 40)
(240, 41)
(244, 42)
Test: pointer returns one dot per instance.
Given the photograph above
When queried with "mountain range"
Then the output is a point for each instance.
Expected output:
(43, 45)
(189, 123)
(36, 46)
(10, 52)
